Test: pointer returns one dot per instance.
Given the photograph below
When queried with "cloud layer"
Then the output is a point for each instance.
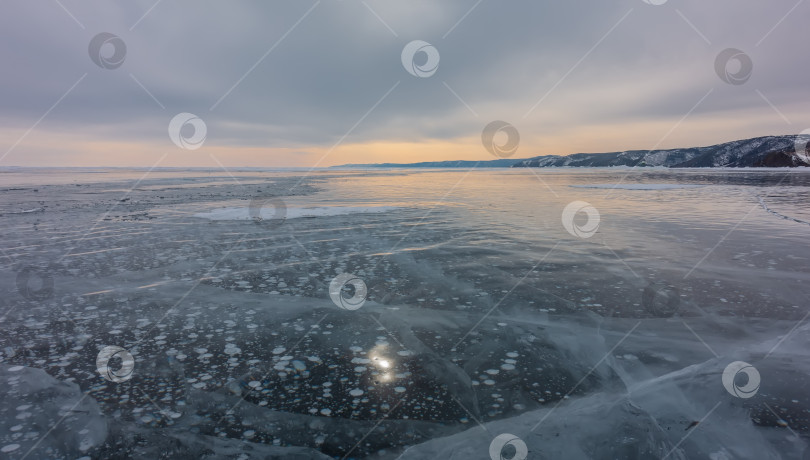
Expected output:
(300, 83)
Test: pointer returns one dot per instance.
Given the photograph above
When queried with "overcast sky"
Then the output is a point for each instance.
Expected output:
(304, 83)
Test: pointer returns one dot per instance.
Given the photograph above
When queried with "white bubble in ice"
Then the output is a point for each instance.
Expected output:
(10, 448)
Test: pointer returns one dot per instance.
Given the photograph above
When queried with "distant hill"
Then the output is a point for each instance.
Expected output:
(768, 151)
(503, 163)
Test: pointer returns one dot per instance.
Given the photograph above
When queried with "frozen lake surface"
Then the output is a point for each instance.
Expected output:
(579, 313)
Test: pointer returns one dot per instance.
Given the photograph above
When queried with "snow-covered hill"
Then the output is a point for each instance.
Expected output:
(768, 151)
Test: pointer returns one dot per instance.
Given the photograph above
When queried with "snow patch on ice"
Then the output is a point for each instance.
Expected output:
(292, 212)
